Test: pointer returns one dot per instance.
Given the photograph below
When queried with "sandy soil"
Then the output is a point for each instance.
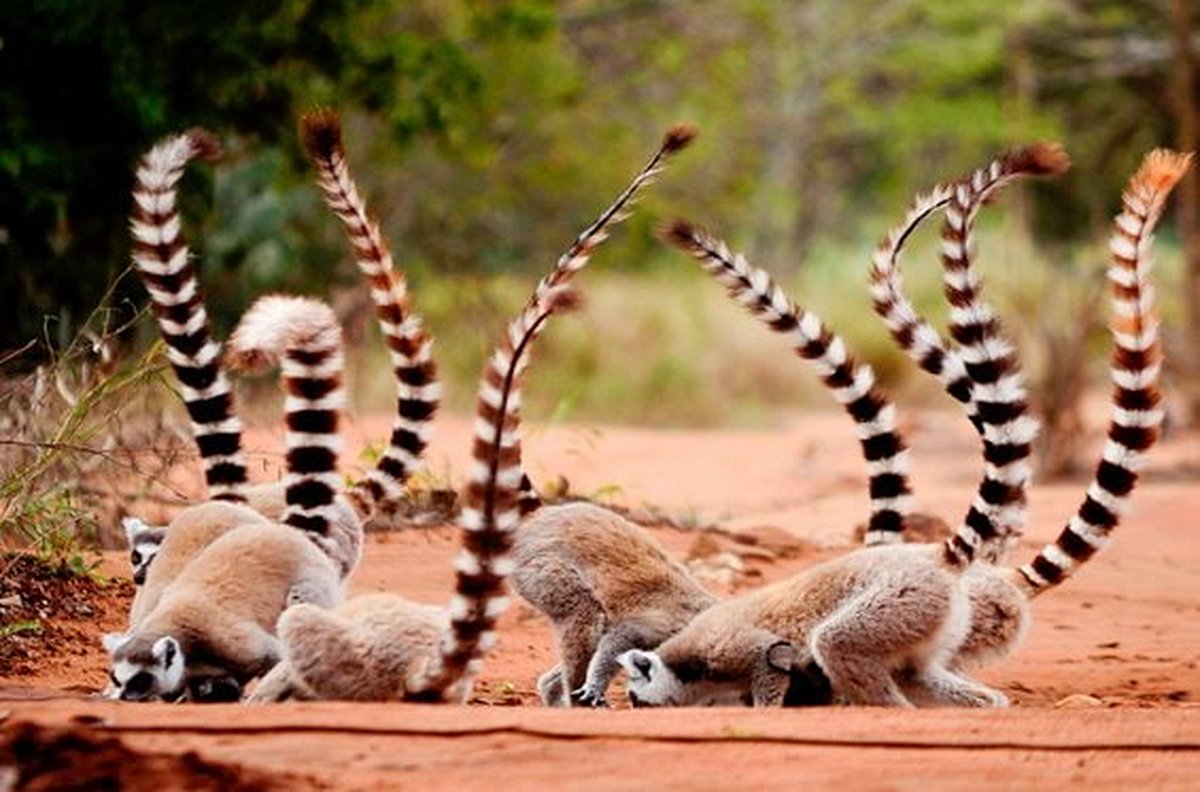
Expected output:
(1106, 689)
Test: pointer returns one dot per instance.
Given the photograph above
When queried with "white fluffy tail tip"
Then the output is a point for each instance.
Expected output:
(276, 323)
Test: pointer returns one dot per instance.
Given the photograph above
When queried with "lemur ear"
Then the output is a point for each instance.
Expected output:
(782, 656)
(133, 526)
(166, 651)
(113, 641)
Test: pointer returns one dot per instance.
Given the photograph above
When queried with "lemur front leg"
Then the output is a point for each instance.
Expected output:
(603, 665)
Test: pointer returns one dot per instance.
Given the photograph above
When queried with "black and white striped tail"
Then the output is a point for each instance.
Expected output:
(576, 257)
(909, 329)
(1136, 363)
(302, 335)
(161, 257)
(491, 505)
(852, 383)
(418, 392)
(997, 512)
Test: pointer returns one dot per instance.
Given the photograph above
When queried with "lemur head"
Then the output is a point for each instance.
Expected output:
(144, 541)
(764, 670)
(145, 668)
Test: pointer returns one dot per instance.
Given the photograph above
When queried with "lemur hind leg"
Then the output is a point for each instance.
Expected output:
(862, 645)
(938, 686)
(551, 689)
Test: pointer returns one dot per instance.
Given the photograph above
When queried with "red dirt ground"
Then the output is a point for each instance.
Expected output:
(1106, 690)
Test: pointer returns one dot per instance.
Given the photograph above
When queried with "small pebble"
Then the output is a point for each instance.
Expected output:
(1078, 701)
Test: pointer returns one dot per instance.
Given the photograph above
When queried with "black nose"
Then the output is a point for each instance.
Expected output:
(139, 577)
(642, 664)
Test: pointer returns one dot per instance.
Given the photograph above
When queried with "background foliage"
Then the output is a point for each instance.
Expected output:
(486, 133)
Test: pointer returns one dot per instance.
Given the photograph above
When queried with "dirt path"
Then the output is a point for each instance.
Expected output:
(1120, 644)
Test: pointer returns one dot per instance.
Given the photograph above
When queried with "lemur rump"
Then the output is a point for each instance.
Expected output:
(216, 617)
(892, 616)
(385, 647)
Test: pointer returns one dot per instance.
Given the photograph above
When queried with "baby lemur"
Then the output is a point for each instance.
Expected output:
(902, 611)
(238, 571)
(383, 646)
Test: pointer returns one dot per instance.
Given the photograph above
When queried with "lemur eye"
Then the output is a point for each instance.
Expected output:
(642, 664)
(136, 558)
(140, 682)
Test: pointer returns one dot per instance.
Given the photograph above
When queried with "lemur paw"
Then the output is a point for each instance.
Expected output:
(588, 696)
(214, 689)
(991, 698)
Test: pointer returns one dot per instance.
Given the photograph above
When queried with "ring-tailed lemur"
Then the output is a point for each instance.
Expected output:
(385, 642)
(606, 584)
(880, 612)
(143, 541)
(998, 610)
(999, 602)
(216, 620)
(418, 391)
(161, 257)
(385, 647)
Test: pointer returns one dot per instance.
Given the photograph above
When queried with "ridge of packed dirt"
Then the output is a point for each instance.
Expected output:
(1105, 690)
(35, 757)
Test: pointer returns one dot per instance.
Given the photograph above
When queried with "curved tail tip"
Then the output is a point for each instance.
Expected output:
(321, 132)
(207, 145)
(679, 232)
(275, 322)
(679, 137)
(1045, 158)
(1161, 169)
(563, 299)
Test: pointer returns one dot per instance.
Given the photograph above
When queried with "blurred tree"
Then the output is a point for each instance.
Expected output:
(85, 87)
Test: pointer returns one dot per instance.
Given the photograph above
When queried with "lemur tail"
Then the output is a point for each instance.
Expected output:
(1136, 363)
(852, 383)
(913, 333)
(303, 336)
(997, 385)
(161, 257)
(491, 509)
(418, 392)
(576, 257)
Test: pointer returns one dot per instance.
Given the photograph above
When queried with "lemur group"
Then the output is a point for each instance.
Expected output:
(241, 596)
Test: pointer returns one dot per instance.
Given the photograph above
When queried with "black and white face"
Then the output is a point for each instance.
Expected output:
(157, 675)
(654, 683)
(144, 541)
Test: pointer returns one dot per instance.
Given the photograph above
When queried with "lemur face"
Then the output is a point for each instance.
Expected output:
(654, 683)
(138, 675)
(775, 674)
(144, 541)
